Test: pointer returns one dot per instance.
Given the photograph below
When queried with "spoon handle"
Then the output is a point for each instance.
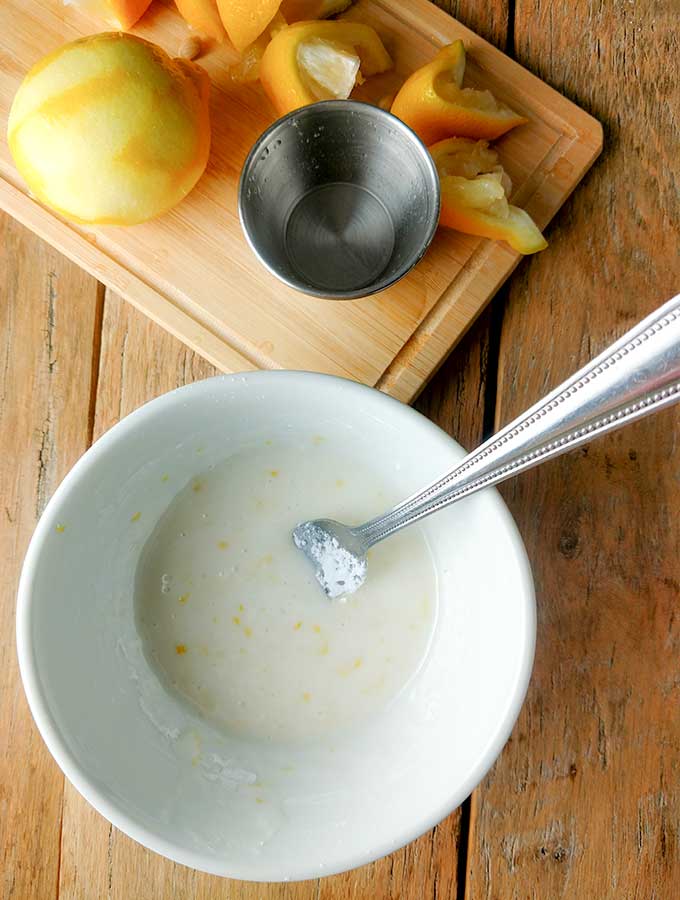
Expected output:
(635, 376)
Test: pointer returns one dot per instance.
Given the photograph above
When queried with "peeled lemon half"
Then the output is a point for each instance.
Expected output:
(110, 130)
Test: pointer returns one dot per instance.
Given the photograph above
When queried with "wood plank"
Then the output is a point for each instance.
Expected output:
(584, 802)
(488, 20)
(138, 362)
(83, 871)
(47, 319)
(192, 271)
(456, 399)
(98, 860)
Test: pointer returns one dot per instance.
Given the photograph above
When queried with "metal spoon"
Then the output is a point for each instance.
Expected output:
(635, 376)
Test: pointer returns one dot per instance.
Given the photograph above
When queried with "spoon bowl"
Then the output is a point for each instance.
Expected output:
(337, 554)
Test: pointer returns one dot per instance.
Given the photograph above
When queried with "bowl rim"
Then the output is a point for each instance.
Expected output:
(126, 822)
(344, 106)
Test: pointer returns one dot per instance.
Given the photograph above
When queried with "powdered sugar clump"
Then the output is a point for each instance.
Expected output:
(338, 570)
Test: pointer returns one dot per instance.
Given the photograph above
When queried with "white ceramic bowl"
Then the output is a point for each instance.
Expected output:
(120, 738)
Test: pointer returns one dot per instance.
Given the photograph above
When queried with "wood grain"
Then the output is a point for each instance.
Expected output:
(47, 319)
(489, 20)
(138, 362)
(584, 800)
(192, 271)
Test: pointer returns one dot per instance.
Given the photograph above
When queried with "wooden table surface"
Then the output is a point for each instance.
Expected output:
(584, 801)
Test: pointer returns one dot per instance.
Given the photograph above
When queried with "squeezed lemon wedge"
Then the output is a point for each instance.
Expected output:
(474, 195)
(330, 70)
(311, 61)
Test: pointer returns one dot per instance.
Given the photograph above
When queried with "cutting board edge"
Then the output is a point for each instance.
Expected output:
(436, 337)
(557, 106)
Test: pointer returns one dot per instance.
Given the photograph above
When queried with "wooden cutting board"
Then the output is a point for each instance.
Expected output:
(192, 271)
